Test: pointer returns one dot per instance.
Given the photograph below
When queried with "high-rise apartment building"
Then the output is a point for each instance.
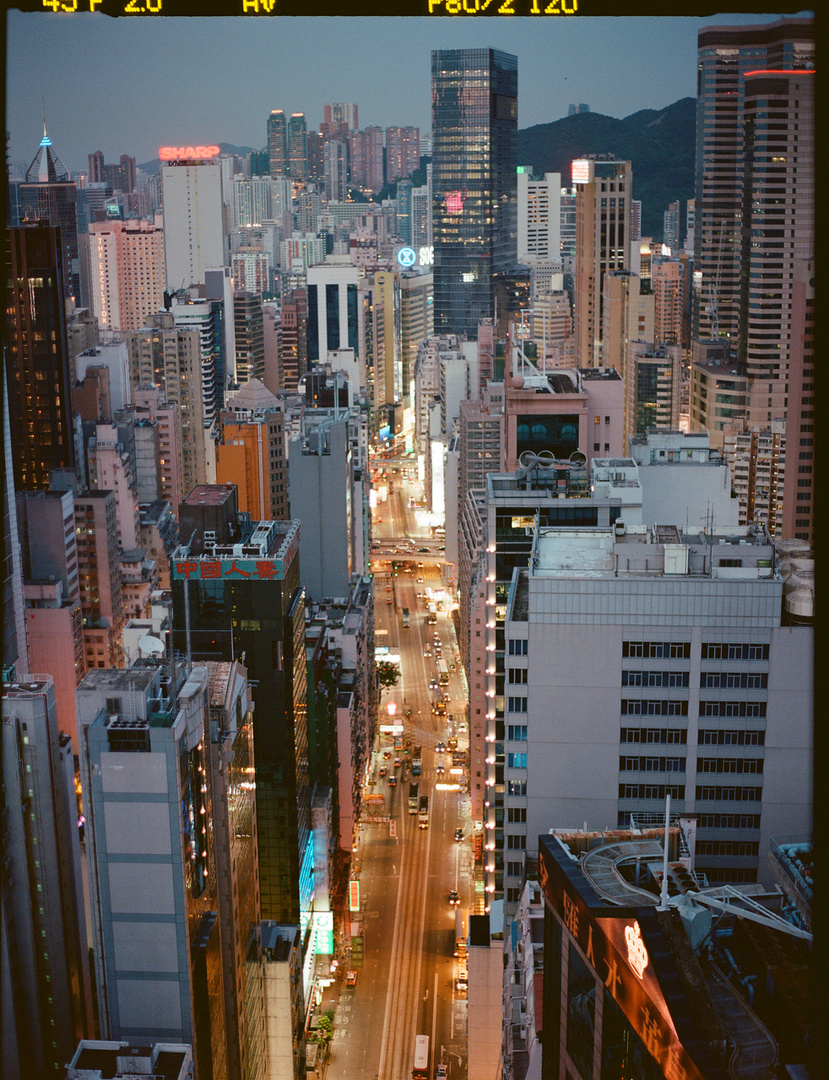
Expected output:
(724, 190)
(161, 355)
(47, 1001)
(332, 309)
(49, 194)
(250, 452)
(779, 171)
(798, 497)
(341, 112)
(38, 370)
(193, 221)
(539, 216)
(293, 355)
(240, 581)
(603, 199)
(475, 147)
(99, 574)
(417, 322)
(365, 149)
(249, 336)
(51, 592)
(148, 795)
(653, 374)
(278, 143)
(127, 276)
(402, 152)
(120, 177)
(335, 170)
(297, 147)
(329, 496)
(206, 317)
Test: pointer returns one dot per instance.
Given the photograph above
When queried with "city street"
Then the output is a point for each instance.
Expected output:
(407, 984)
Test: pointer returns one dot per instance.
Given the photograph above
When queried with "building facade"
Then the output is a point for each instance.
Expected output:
(475, 141)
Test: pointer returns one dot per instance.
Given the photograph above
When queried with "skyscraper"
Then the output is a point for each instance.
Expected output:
(47, 1004)
(127, 272)
(193, 221)
(725, 55)
(37, 356)
(49, 194)
(603, 199)
(225, 604)
(298, 147)
(475, 148)
(278, 143)
(402, 152)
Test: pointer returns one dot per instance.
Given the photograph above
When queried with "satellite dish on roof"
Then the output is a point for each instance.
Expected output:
(151, 645)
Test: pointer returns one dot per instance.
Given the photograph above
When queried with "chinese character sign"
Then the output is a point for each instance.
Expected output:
(231, 569)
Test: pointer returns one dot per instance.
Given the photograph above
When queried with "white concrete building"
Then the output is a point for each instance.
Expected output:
(539, 216)
(193, 222)
(645, 661)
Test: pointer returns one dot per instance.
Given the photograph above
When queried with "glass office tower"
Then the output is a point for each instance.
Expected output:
(474, 181)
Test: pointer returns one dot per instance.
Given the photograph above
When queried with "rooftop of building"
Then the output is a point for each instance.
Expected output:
(278, 939)
(703, 945)
(26, 685)
(100, 1060)
(744, 552)
(105, 679)
(600, 374)
(208, 495)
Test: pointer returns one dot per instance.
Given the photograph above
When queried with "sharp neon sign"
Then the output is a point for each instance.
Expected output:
(175, 153)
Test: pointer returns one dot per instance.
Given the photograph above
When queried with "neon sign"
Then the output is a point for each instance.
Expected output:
(637, 953)
(454, 202)
(581, 171)
(174, 153)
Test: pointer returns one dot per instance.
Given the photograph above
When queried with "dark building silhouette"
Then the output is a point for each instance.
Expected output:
(48, 194)
(37, 356)
(240, 581)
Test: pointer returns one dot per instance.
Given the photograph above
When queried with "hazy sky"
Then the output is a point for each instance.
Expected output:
(132, 85)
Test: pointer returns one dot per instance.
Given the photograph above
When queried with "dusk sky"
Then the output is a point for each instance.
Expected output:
(132, 85)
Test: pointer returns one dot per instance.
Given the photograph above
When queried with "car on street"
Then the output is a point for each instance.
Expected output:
(440, 748)
(397, 762)
(427, 650)
(351, 978)
(459, 834)
(387, 755)
(420, 581)
(441, 1074)
(383, 770)
(392, 780)
(423, 551)
(388, 599)
(461, 726)
(440, 770)
(433, 684)
(454, 899)
(462, 981)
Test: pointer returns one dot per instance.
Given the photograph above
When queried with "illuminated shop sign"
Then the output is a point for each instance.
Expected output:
(407, 257)
(232, 569)
(581, 171)
(614, 947)
(176, 153)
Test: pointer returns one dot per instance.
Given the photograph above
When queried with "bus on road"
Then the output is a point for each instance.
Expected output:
(405, 617)
(460, 936)
(420, 1068)
(417, 761)
(413, 798)
(423, 812)
(443, 673)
